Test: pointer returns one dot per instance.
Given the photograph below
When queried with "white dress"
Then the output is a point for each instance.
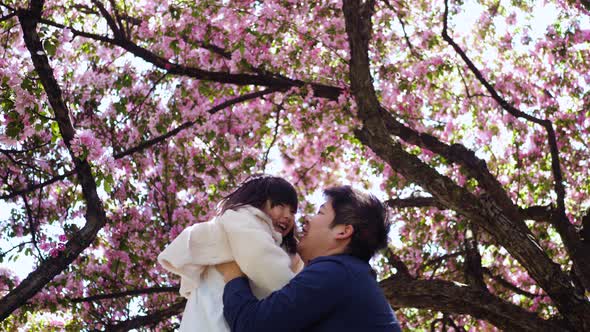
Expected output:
(246, 236)
(204, 306)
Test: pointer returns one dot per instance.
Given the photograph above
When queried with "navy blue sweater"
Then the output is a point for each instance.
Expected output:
(332, 293)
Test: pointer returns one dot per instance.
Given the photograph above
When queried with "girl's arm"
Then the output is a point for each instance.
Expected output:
(192, 250)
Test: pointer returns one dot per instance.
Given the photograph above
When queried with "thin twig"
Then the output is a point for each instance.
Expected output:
(304, 173)
(137, 107)
(110, 21)
(274, 137)
(189, 124)
(8, 17)
(118, 18)
(20, 245)
(220, 160)
(15, 151)
(21, 163)
(399, 17)
(439, 259)
(38, 186)
(397, 263)
(8, 6)
(508, 285)
(32, 226)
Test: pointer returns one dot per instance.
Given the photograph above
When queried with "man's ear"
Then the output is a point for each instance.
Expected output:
(344, 232)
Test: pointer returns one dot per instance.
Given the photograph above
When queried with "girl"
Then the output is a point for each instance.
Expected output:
(255, 227)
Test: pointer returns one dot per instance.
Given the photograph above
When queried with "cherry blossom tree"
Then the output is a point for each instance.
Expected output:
(123, 122)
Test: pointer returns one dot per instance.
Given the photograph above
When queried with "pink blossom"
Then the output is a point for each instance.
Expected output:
(85, 142)
(511, 19)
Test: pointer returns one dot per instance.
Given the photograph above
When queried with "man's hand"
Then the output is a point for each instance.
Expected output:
(230, 271)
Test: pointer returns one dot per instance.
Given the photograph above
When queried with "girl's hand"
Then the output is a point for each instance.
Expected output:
(296, 263)
(230, 271)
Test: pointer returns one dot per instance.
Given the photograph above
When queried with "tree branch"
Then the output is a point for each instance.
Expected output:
(95, 214)
(504, 283)
(8, 17)
(303, 175)
(454, 298)
(398, 264)
(34, 187)
(451, 322)
(538, 212)
(445, 320)
(439, 259)
(455, 153)
(12, 9)
(118, 18)
(578, 251)
(510, 232)
(559, 187)
(262, 79)
(417, 202)
(208, 46)
(473, 270)
(20, 246)
(21, 163)
(151, 142)
(535, 212)
(16, 151)
(150, 319)
(228, 171)
(188, 124)
(147, 95)
(110, 21)
(133, 292)
(585, 232)
(555, 164)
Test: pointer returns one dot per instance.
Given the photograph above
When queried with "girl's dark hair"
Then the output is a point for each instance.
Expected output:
(258, 189)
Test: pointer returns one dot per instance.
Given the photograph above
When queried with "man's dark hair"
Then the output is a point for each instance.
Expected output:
(366, 214)
(258, 189)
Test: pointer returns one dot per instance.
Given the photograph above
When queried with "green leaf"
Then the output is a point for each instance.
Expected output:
(6, 104)
(108, 183)
(27, 84)
(13, 129)
(55, 133)
(249, 162)
(50, 45)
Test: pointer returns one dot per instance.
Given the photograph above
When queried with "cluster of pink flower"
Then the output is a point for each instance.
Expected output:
(86, 144)
(54, 248)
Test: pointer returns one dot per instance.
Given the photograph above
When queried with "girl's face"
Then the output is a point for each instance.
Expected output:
(282, 216)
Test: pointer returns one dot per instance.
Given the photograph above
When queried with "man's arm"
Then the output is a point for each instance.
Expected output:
(311, 295)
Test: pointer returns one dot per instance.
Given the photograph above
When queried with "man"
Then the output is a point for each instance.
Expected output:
(337, 290)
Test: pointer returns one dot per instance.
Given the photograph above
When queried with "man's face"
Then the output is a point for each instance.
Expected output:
(318, 237)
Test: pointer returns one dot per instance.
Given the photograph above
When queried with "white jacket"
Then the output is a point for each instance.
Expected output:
(246, 236)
